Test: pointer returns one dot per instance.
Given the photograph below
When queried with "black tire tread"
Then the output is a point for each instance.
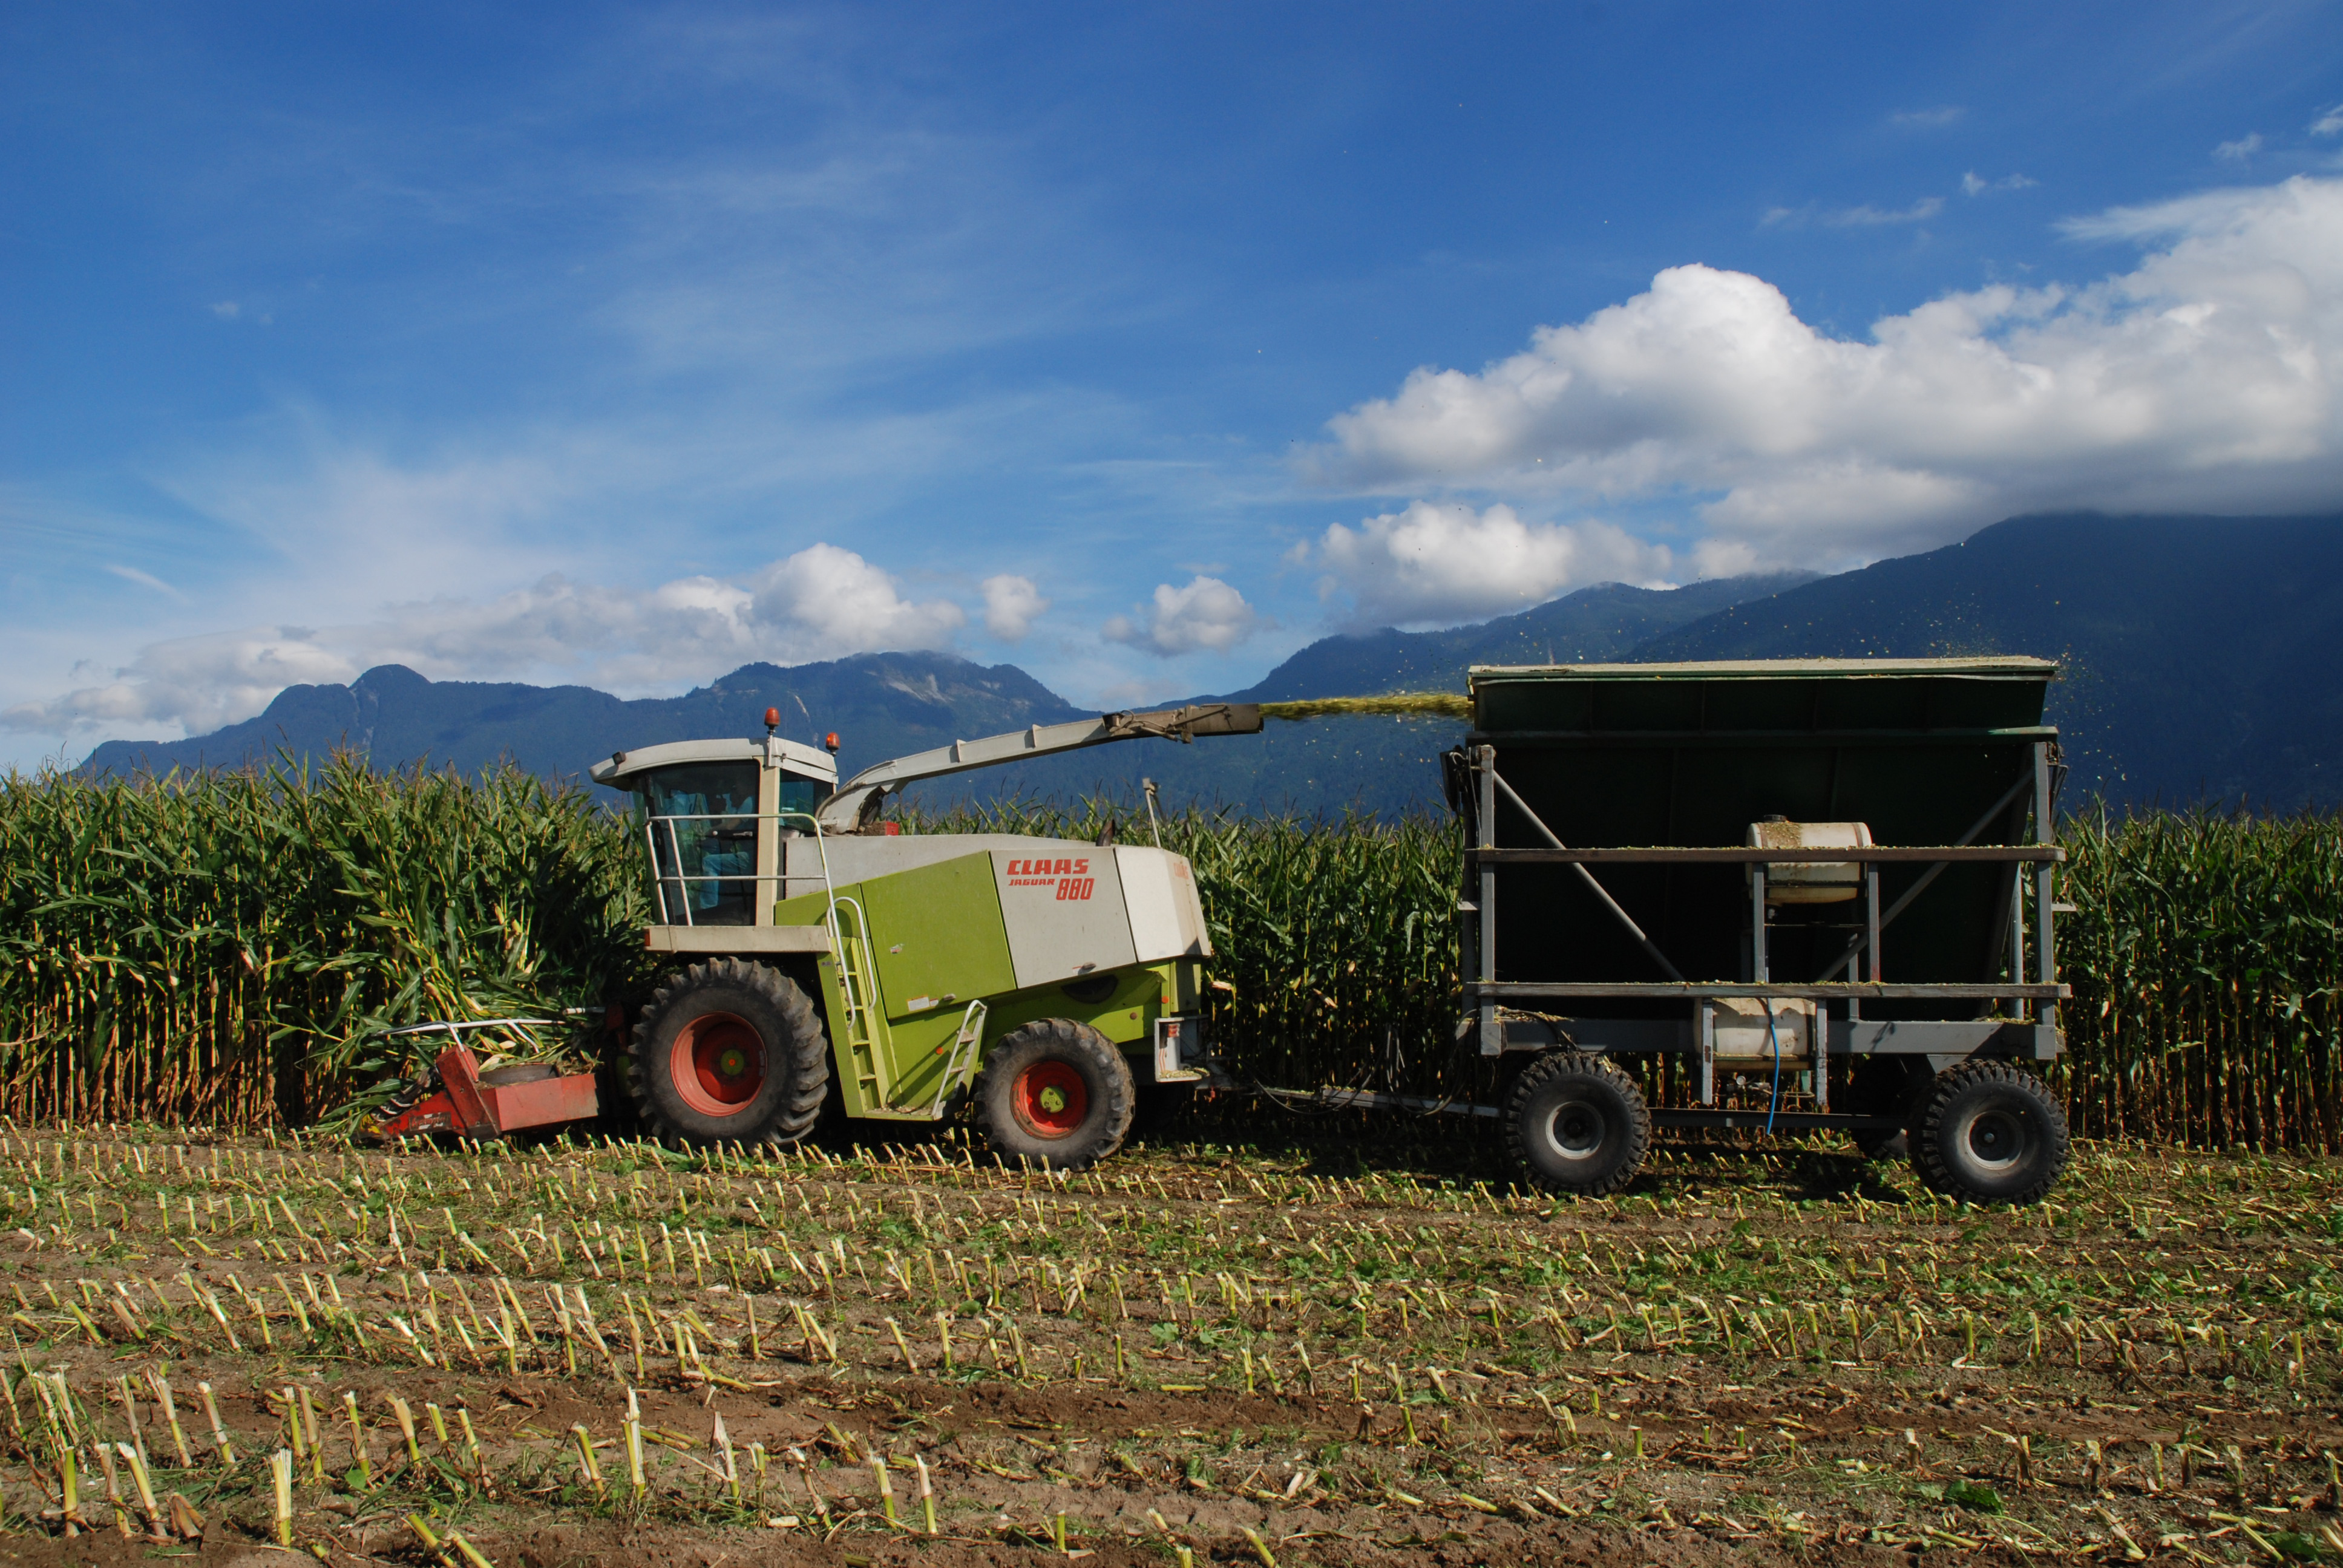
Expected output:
(1557, 1064)
(804, 1057)
(1065, 1036)
(1928, 1129)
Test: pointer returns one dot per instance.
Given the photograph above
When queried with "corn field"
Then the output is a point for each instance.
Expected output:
(2206, 957)
(228, 951)
(218, 951)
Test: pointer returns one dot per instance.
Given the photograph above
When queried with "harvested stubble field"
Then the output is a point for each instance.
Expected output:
(1272, 1355)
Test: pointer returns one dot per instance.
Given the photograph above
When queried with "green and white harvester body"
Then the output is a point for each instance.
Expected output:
(825, 957)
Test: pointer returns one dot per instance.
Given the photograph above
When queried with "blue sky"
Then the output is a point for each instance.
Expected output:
(1134, 346)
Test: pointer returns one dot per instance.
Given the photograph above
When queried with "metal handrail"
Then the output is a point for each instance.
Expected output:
(458, 1026)
(854, 1004)
(674, 850)
(821, 848)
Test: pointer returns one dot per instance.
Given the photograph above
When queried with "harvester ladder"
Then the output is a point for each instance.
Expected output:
(865, 1053)
(960, 1066)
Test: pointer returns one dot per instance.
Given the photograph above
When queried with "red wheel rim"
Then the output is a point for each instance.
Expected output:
(1050, 1099)
(718, 1064)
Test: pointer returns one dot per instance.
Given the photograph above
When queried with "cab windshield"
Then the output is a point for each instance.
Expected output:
(702, 821)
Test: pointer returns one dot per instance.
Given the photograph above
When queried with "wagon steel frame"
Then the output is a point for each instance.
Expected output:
(2028, 1031)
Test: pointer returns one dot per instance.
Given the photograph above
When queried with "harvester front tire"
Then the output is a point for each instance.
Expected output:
(1989, 1133)
(729, 1051)
(1056, 1093)
(1575, 1123)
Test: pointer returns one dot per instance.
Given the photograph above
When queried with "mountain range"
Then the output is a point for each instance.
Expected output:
(2199, 661)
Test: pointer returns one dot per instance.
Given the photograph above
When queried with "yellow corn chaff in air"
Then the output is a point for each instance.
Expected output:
(1405, 704)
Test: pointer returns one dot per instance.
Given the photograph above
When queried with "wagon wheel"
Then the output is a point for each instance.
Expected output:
(1989, 1133)
(730, 1051)
(1576, 1123)
(1056, 1093)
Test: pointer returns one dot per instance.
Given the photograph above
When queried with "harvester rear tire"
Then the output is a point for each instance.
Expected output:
(1056, 1093)
(729, 1051)
(1989, 1133)
(1575, 1123)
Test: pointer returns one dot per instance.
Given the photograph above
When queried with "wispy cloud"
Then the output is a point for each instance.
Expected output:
(1973, 183)
(1934, 119)
(2328, 122)
(767, 322)
(1864, 216)
(1919, 211)
(820, 602)
(145, 579)
(2242, 149)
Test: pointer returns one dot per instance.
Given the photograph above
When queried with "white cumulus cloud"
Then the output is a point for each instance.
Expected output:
(1011, 606)
(1446, 563)
(1206, 614)
(2205, 378)
(827, 598)
(822, 602)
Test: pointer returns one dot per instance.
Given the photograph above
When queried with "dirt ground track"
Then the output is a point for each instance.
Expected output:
(1337, 1347)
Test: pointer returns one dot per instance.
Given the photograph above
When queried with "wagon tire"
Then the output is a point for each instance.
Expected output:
(1575, 1123)
(729, 1051)
(1989, 1133)
(1055, 1093)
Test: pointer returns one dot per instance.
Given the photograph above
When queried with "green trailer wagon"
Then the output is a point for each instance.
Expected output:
(1821, 894)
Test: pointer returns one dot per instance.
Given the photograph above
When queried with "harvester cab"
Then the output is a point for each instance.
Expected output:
(715, 815)
(824, 954)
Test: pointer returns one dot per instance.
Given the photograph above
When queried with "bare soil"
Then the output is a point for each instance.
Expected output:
(1342, 1348)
